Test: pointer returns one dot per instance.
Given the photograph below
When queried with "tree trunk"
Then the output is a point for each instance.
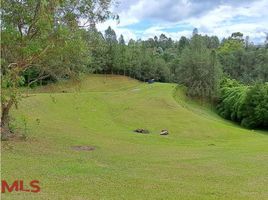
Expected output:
(5, 130)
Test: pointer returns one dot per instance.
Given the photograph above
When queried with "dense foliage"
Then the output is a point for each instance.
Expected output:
(243, 61)
(199, 69)
(247, 105)
(164, 59)
(199, 63)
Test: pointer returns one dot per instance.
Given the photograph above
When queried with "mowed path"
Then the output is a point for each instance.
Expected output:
(204, 157)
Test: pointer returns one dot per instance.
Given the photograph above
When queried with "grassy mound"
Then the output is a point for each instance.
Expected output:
(203, 157)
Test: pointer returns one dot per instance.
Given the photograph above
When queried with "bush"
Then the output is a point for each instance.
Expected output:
(254, 111)
(247, 105)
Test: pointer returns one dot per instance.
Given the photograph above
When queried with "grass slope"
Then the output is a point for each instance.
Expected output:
(204, 157)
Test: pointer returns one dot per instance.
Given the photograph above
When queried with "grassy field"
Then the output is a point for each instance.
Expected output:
(204, 157)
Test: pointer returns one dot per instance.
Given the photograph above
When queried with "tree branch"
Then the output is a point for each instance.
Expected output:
(38, 78)
(34, 18)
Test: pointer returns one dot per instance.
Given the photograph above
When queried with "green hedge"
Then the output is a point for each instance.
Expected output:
(247, 105)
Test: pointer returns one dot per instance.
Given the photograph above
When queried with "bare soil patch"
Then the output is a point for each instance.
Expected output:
(142, 130)
(83, 148)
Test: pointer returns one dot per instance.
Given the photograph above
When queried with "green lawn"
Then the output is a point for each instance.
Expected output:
(204, 157)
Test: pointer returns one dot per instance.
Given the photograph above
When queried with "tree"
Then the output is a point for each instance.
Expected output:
(183, 42)
(155, 41)
(243, 61)
(230, 54)
(266, 40)
(36, 32)
(195, 32)
(150, 43)
(260, 66)
(247, 42)
(120, 56)
(110, 36)
(254, 110)
(98, 50)
(213, 42)
(199, 69)
(121, 40)
(111, 40)
(162, 72)
(237, 36)
(247, 105)
(164, 42)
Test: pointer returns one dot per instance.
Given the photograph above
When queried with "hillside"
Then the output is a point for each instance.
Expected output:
(204, 157)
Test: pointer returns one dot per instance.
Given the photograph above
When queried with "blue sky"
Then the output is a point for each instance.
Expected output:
(175, 18)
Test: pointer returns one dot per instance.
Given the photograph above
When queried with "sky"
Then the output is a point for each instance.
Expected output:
(143, 19)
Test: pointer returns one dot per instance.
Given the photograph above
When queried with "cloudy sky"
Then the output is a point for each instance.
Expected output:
(147, 18)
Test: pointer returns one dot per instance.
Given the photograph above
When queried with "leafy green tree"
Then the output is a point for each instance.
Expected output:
(121, 40)
(110, 36)
(183, 42)
(229, 54)
(111, 40)
(255, 107)
(243, 61)
(237, 36)
(165, 42)
(199, 69)
(212, 42)
(260, 67)
(40, 35)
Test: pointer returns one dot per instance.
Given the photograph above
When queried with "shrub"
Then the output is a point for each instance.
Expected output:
(247, 105)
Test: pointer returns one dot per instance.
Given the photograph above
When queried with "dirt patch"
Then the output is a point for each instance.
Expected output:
(211, 144)
(83, 148)
(141, 130)
(136, 90)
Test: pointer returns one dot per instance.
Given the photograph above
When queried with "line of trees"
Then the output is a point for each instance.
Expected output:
(44, 41)
(198, 62)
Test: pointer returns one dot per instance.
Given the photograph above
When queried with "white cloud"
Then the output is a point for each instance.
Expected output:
(211, 17)
(251, 20)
